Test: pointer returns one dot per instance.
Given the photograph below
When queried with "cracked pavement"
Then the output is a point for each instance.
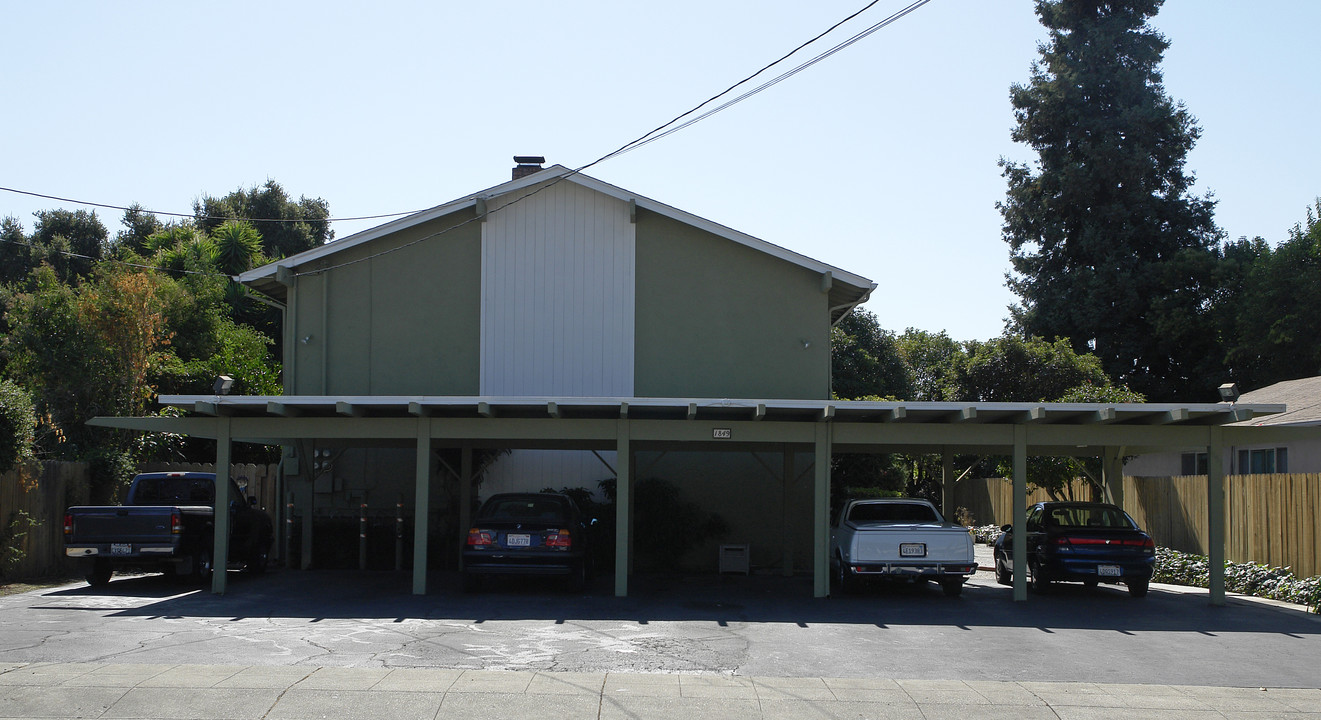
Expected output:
(730, 625)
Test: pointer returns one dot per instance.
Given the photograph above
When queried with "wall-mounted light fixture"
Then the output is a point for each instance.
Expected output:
(1228, 392)
(223, 385)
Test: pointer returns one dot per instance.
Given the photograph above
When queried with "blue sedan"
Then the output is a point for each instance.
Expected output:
(1082, 542)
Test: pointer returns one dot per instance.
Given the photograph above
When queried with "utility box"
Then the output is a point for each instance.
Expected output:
(734, 559)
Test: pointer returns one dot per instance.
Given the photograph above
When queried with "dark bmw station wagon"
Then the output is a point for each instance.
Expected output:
(528, 534)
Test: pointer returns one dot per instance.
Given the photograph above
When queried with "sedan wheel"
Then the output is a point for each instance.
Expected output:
(1138, 588)
(1039, 583)
(1002, 573)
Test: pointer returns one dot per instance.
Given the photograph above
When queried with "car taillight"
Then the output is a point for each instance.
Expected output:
(559, 539)
(176, 523)
(1065, 542)
(68, 523)
(480, 538)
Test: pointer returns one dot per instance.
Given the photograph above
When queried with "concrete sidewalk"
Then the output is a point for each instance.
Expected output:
(65, 690)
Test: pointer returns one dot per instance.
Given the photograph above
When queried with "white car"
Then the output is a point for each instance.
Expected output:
(902, 539)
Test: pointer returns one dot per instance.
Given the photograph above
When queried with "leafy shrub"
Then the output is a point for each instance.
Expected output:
(1180, 568)
(17, 424)
(987, 534)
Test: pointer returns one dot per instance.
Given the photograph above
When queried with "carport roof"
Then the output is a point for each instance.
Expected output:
(639, 408)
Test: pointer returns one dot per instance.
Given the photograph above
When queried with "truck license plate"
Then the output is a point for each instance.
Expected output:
(912, 549)
(121, 548)
(518, 540)
(1108, 571)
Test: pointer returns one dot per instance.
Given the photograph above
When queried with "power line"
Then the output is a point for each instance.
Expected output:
(198, 217)
(666, 129)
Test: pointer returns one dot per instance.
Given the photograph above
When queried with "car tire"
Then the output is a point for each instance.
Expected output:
(202, 565)
(1040, 583)
(843, 578)
(1138, 587)
(1091, 582)
(578, 579)
(1002, 573)
(99, 575)
(258, 562)
(952, 588)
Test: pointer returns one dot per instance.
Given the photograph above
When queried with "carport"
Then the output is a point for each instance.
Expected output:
(631, 425)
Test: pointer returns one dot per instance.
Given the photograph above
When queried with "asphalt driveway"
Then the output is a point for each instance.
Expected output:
(733, 625)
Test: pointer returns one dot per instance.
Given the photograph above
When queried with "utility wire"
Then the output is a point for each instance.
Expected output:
(666, 129)
(198, 217)
(675, 125)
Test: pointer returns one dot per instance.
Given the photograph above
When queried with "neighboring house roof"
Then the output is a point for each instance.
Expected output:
(1301, 398)
(846, 288)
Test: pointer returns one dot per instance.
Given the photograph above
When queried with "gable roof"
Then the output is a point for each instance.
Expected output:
(1301, 398)
(845, 288)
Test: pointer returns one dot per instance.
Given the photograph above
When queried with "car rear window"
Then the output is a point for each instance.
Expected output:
(892, 513)
(173, 491)
(526, 509)
(1088, 517)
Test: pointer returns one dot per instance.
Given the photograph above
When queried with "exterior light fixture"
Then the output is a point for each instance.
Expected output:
(1228, 392)
(223, 384)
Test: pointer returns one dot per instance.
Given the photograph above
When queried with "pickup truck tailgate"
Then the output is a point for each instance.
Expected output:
(897, 542)
(123, 524)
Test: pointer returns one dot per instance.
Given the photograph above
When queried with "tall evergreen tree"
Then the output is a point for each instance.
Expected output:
(1108, 247)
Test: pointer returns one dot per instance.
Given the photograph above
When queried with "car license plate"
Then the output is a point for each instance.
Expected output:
(518, 540)
(121, 548)
(912, 549)
(1108, 570)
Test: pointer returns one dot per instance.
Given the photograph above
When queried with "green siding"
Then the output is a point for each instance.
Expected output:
(719, 319)
(402, 323)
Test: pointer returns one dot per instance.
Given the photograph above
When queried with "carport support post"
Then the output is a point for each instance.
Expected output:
(623, 505)
(821, 512)
(1215, 510)
(947, 484)
(422, 507)
(465, 496)
(1112, 476)
(786, 486)
(220, 543)
(1020, 512)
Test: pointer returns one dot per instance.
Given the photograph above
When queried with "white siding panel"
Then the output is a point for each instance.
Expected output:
(557, 295)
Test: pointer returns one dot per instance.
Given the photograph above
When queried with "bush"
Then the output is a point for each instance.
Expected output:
(1180, 568)
(17, 424)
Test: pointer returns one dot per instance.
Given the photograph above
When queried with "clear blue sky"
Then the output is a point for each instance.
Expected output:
(880, 160)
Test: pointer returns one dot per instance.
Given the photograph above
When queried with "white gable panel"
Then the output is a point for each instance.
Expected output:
(557, 295)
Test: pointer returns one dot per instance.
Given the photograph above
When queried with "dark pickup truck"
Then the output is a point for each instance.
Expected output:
(167, 524)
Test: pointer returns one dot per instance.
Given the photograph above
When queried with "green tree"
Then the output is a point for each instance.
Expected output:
(1107, 245)
(933, 360)
(87, 351)
(1271, 306)
(1014, 369)
(864, 360)
(286, 226)
(17, 425)
(138, 226)
(76, 235)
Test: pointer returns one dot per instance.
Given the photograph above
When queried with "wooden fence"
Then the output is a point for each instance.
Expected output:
(1270, 519)
(32, 502)
(990, 501)
(41, 491)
